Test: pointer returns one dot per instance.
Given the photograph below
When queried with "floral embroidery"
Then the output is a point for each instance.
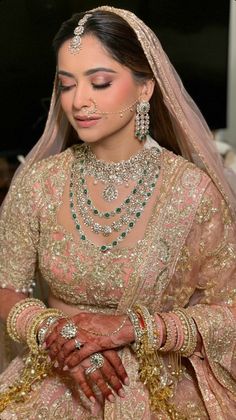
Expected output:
(205, 210)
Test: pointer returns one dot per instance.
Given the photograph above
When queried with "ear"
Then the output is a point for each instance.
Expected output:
(147, 89)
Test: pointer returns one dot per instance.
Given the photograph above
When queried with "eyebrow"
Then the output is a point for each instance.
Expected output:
(87, 72)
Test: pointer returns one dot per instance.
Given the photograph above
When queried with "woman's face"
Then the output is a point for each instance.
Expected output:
(92, 77)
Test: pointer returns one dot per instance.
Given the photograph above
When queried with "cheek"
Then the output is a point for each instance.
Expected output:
(66, 103)
(121, 96)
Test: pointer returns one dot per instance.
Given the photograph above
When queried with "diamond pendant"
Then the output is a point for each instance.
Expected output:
(110, 193)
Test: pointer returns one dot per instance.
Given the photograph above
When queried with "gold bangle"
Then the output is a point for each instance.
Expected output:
(15, 311)
(31, 335)
(148, 323)
(190, 333)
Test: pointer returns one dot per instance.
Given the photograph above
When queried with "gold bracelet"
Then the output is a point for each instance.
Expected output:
(138, 331)
(15, 311)
(190, 333)
(148, 324)
(32, 330)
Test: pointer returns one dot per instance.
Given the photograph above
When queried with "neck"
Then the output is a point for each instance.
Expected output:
(114, 150)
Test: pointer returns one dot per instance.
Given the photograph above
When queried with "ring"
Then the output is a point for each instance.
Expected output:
(97, 361)
(78, 344)
(69, 331)
(90, 370)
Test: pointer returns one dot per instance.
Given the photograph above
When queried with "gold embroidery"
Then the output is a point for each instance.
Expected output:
(205, 210)
(184, 263)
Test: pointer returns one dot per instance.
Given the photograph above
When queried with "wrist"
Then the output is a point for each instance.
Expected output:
(126, 335)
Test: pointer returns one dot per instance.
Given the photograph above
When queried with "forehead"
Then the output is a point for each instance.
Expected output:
(91, 54)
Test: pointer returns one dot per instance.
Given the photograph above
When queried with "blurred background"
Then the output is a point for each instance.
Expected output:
(199, 37)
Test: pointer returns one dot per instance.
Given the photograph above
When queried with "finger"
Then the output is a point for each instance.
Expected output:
(114, 359)
(111, 377)
(55, 332)
(68, 348)
(80, 378)
(76, 357)
(98, 379)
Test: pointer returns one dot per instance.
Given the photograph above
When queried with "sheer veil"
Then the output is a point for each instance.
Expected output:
(193, 135)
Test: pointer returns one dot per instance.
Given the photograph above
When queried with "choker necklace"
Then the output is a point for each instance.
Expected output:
(112, 174)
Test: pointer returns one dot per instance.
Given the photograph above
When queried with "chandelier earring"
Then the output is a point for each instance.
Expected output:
(142, 120)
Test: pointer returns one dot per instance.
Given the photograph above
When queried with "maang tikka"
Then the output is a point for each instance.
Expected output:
(142, 120)
(75, 43)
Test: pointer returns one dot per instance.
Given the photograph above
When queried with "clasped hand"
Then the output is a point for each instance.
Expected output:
(112, 374)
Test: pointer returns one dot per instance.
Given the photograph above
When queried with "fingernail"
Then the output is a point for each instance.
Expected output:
(56, 364)
(65, 368)
(49, 359)
(92, 399)
(111, 398)
(126, 381)
(121, 393)
(44, 345)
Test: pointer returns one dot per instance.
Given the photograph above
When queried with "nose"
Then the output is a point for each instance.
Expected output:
(81, 97)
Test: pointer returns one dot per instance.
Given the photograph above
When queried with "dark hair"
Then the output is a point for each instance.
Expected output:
(121, 42)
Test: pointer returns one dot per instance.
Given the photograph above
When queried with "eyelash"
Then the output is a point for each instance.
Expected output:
(62, 88)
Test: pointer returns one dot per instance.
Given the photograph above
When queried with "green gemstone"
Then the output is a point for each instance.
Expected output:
(138, 214)
(140, 181)
(89, 202)
(83, 237)
(145, 171)
(118, 210)
(123, 234)
(149, 194)
(127, 200)
(103, 248)
(95, 211)
(144, 203)
(71, 184)
(71, 194)
(72, 204)
(85, 191)
(107, 215)
(134, 190)
(74, 215)
(114, 243)
(78, 227)
(153, 184)
(82, 180)
(131, 224)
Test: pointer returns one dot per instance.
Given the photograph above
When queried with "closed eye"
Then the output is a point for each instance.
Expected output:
(101, 86)
(63, 88)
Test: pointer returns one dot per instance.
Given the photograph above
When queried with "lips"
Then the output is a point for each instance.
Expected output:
(85, 118)
(85, 121)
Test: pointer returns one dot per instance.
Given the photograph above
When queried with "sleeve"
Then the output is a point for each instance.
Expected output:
(213, 305)
(19, 235)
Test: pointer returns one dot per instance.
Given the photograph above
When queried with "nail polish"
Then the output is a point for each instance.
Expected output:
(111, 398)
(56, 364)
(65, 368)
(126, 381)
(92, 399)
(121, 393)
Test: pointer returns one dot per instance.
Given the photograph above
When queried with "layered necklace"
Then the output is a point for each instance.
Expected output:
(143, 168)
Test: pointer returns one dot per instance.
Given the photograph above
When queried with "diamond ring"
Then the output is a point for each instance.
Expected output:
(69, 331)
(97, 361)
(78, 344)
